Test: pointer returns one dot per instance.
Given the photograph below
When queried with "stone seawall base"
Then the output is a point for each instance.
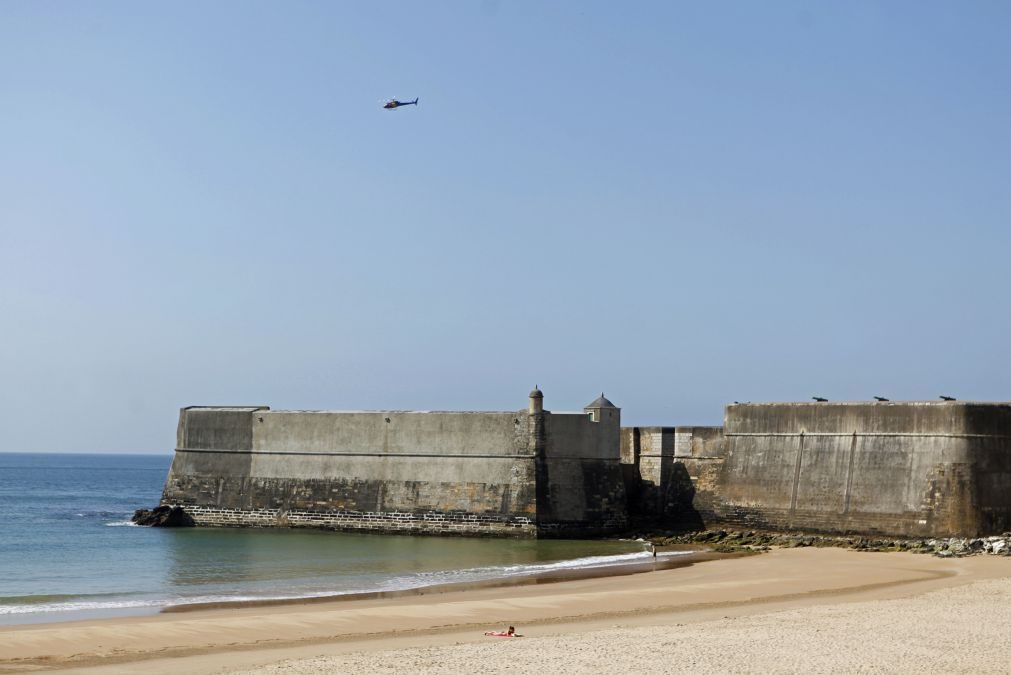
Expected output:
(432, 522)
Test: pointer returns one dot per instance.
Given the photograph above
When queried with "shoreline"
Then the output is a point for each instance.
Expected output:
(222, 639)
(672, 560)
(583, 566)
(676, 555)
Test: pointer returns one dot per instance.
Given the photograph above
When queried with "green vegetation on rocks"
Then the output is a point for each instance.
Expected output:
(729, 541)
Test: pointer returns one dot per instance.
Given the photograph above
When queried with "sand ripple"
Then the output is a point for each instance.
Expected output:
(955, 630)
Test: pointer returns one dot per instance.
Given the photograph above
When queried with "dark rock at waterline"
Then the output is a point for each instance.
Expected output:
(722, 540)
(163, 516)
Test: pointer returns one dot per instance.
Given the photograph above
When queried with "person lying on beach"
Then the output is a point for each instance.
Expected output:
(507, 633)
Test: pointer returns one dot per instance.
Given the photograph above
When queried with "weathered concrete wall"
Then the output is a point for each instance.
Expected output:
(920, 469)
(910, 468)
(488, 473)
(664, 485)
(899, 468)
(582, 475)
(468, 473)
(212, 428)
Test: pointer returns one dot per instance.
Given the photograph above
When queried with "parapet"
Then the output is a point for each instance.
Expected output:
(868, 417)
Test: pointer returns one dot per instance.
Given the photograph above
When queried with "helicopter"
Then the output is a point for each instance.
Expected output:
(394, 103)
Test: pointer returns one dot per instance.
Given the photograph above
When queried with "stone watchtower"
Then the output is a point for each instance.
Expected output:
(579, 488)
(607, 418)
(536, 401)
(603, 410)
(538, 434)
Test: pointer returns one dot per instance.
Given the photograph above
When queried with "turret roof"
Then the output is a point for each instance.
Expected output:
(601, 402)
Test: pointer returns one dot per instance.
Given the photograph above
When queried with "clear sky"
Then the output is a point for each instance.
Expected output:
(681, 204)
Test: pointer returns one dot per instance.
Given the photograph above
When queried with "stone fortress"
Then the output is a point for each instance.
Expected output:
(917, 469)
(520, 473)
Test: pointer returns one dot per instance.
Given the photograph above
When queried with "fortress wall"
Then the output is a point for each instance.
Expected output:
(911, 468)
(467, 473)
(576, 436)
(699, 442)
(993, 484)
(904, 417)
(898, 468)
(581, 475)
(392, 433)
(650, 451)
(208, 428)
(211, 429)
(669, 461)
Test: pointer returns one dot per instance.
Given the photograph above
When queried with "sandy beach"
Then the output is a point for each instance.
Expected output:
(791, 610)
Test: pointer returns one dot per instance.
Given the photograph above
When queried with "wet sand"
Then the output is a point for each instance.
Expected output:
(664, 562)
(794, 610)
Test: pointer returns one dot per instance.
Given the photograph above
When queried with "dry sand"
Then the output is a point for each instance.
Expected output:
(796, 610)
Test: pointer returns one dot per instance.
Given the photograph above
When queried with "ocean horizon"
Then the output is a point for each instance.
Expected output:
(68, 550)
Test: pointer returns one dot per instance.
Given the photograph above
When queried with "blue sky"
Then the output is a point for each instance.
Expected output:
(680, 204)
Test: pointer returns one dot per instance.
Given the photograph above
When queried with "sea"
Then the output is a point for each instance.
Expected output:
(69, 551)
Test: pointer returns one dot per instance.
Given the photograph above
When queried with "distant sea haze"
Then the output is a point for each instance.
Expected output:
(68, 549)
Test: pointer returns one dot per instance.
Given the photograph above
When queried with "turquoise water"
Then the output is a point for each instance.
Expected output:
(68, 550)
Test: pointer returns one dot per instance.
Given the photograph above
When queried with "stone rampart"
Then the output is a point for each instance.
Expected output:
(916, 469)
(920, 469)
(907, 468)
(580, 474)
(518, 473)
(668, 461)
(379, 471)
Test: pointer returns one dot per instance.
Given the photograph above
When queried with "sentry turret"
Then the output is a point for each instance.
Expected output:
(536, 401)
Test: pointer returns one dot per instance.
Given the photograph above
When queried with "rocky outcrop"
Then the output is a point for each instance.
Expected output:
(163, 516)
(735, 540)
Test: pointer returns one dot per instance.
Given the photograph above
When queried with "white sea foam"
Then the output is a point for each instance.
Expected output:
(77, 606)
(582, 563)
(128, 603)
(575, 563)
(121, 523)
(423, 579)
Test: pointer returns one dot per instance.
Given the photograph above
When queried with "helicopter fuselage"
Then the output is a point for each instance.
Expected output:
(390, 105)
